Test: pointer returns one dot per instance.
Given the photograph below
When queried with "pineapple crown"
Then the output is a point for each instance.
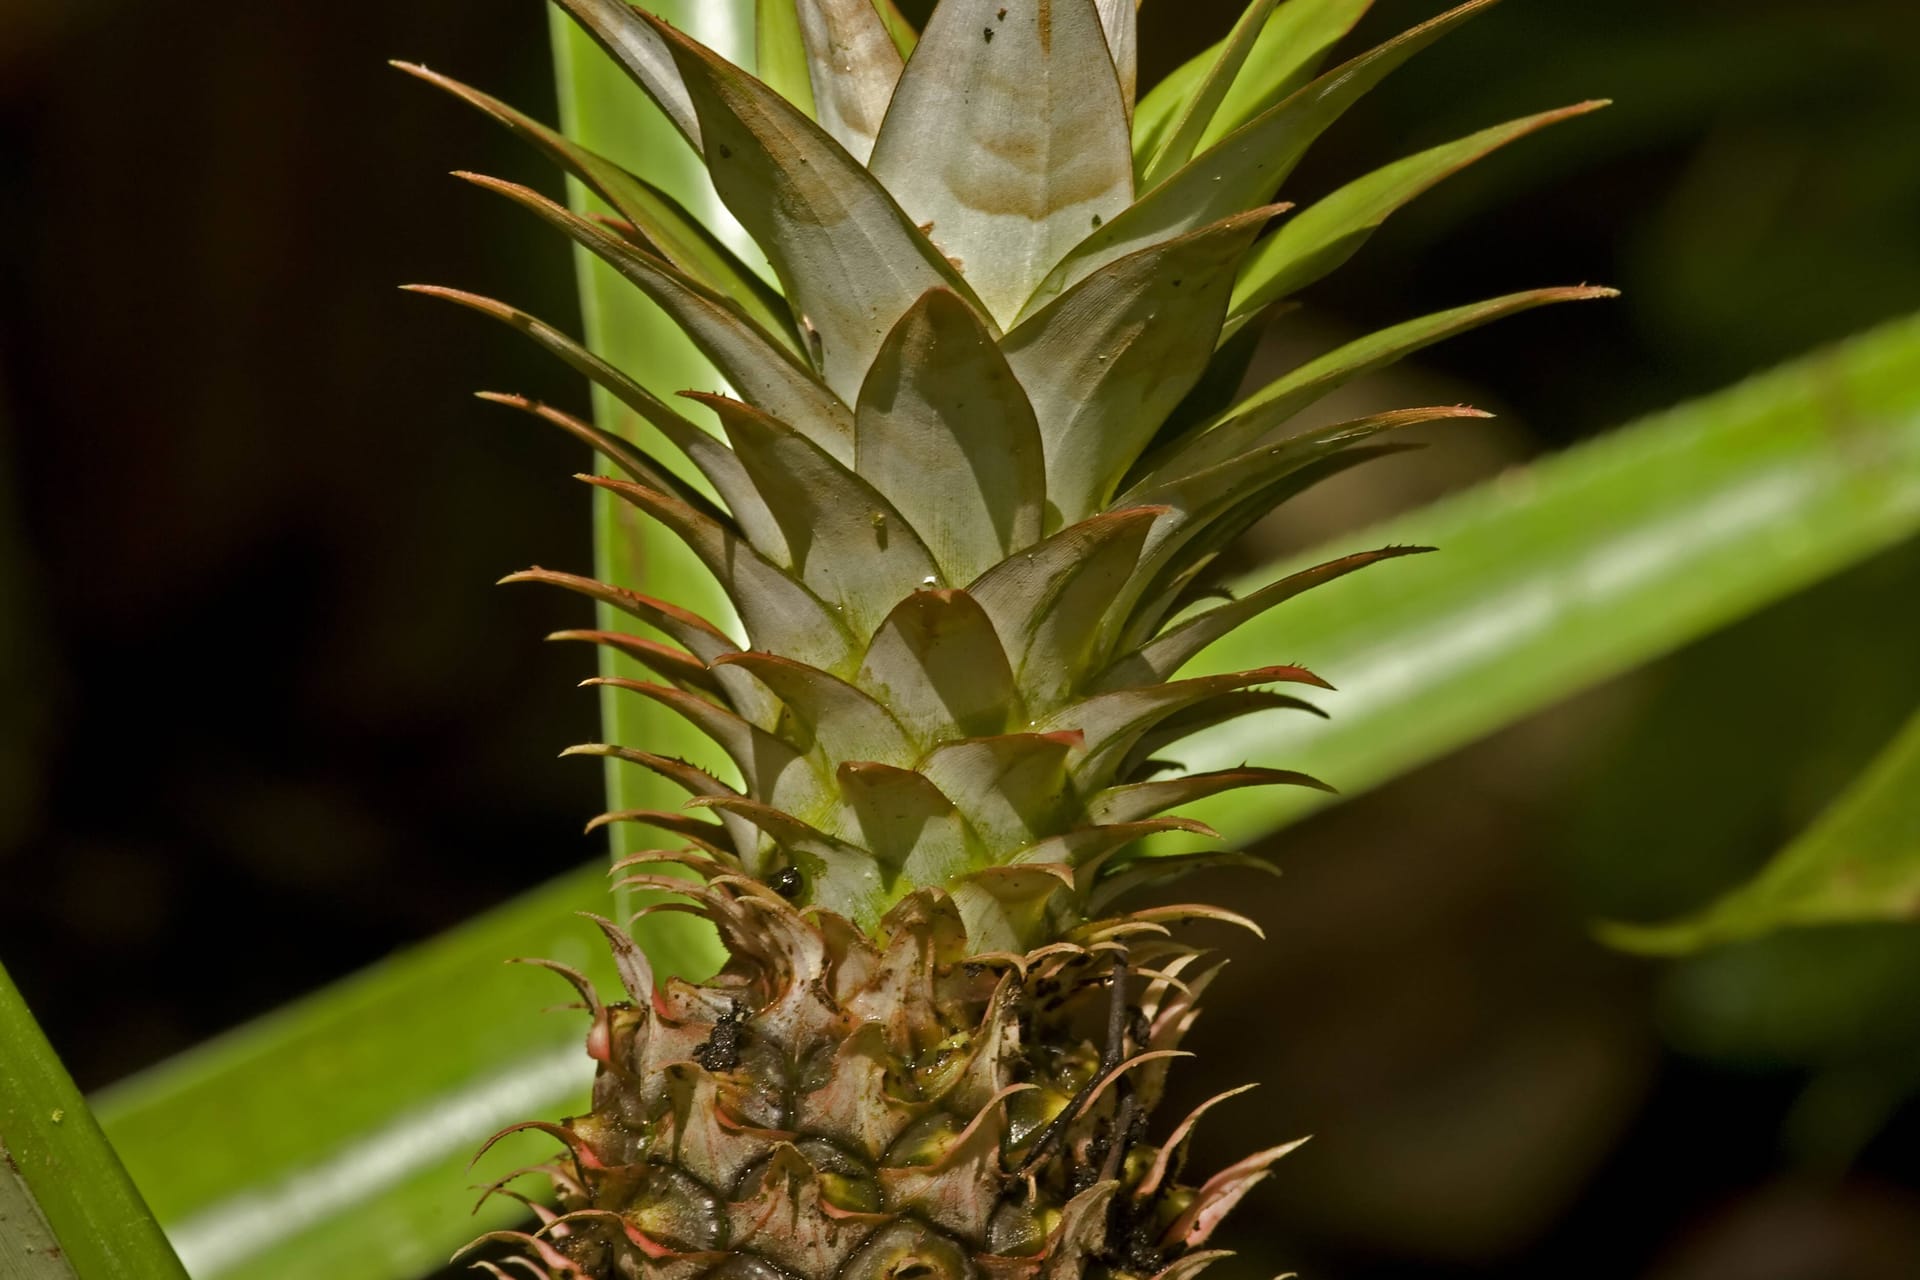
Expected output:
(986, 435)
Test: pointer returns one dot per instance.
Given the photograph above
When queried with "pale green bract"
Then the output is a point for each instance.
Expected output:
(970, 384)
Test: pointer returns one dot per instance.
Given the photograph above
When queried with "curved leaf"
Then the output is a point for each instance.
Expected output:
(1235, 430)
(1291, 47)
(1022, 595)
(910, 826)
(628, 458)
(1247, 166)
(779, 611)
(1120, 23)
(616, 27)
(1333, 229)
(1011, 787)
(938, 664)
(693, 633)
(1182, 136)
(773, 770)
(1166, 653)
(765, 373)
(1135, 801)
(846, 723)
(710, 457)
(1859, 862)
(848, 544)
(677, 235)
(1112, 722)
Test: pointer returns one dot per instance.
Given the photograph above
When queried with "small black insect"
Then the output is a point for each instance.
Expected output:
(720, 1051)
(786, 882)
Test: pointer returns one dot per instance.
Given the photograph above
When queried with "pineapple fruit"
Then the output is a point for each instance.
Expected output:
(985, 439)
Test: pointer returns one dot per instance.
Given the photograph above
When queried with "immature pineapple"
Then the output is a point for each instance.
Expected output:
(985, 447)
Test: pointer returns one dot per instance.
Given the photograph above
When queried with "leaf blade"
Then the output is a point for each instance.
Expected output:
(68, 1210)
(1184, 134)
(1327, 233)
(1247, 166)
(780, 53)
(1858, 863)
(602, 108)
(1007, 136)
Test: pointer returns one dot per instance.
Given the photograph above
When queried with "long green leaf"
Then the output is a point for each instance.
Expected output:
(1291, 46)
(1580, 566)
(331, 1138)
(1183, 135)
(781, 53)
(316, 1139)
(67, 1208)
(1327, 233)
(1858, 863)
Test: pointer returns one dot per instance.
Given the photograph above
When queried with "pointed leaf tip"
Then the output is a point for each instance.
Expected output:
(1326, 234)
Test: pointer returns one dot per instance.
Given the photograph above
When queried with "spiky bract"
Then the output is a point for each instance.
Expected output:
(833, 1105)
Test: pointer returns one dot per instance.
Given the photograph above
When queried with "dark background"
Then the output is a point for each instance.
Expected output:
(263, 720)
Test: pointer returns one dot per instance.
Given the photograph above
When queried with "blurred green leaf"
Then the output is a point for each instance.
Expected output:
(1575, 568)
(781, 53)
(331, 1138)
(902, 31)
(1858, 863)
(67, 1208)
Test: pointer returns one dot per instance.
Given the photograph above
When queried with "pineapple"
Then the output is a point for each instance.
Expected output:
(984, 441)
